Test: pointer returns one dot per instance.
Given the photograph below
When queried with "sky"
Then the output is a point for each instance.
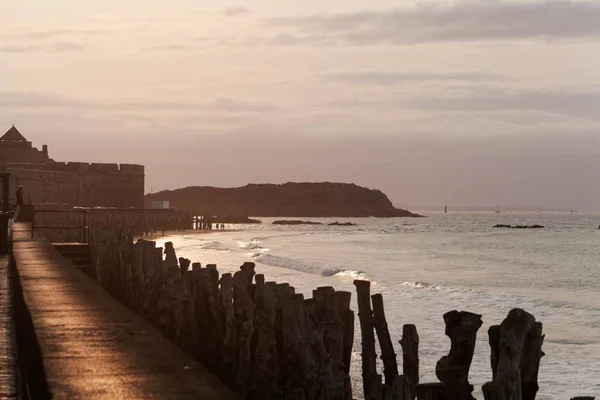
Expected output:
(464, 103)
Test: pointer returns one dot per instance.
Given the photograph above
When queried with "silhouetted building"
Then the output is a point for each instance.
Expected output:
(14, 148)
(74, 183)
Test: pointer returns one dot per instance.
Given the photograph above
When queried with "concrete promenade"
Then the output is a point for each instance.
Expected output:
(93, 347)
(8, 363)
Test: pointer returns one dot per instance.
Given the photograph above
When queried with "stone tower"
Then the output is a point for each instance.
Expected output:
(15, 149)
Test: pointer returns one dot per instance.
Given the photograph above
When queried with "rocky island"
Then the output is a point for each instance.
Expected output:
(309, 200)
(519, 226)
(296, 222)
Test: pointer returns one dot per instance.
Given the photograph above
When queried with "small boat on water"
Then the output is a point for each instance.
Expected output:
(497, 210)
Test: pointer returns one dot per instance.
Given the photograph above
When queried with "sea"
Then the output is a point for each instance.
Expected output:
(425, 267)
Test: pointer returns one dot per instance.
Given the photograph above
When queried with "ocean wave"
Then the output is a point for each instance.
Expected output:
(283, 262)
(214, 245)
(421, 285)
(572, 342)
(250, 244)
(257, 252)
(434, 287)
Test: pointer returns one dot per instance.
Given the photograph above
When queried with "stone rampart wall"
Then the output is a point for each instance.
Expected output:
(40, 186)
(80, 184)
(19, 151)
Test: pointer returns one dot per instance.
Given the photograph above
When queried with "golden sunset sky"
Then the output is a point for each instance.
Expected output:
(446, 102)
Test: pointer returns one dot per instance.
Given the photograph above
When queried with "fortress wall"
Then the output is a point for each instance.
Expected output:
(15, 152)
(41, 186)
(104, 168)
(107, 185)
(134, 169)
(80, 184)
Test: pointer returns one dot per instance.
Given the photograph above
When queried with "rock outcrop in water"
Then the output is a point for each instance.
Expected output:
(519, 226)
(287, 200)
(341, 224)
(296, 222)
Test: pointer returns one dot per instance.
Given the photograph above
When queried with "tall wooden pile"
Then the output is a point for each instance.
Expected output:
(267, 342)
(261, 338)
(516, 351)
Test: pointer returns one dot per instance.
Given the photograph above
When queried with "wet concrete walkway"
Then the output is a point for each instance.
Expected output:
(93, 347)
(8, 365)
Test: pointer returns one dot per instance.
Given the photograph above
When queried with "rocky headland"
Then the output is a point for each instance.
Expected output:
(519, 226)
(309, 200)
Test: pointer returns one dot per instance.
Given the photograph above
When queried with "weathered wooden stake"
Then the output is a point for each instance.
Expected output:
(494, 341)
(365, 315)
(453, 370)
(229, 362)
(410, 358)
(507, 382)
(431, 391)
(347, 320)
(530, 361)
(184, 265)
(388, 355)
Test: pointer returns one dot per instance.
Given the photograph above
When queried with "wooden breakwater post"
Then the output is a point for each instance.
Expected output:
(515, 345)
(268, 342)
(261, 338)
(202, 222)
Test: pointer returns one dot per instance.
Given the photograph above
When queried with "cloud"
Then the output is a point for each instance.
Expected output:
(12, 48)
(53, 32)
(169, 47)
(66, 47)
(464, 21)
(391, 78)
(50, 32)
(577, 103)
(574, 103)
(225, 105)
(235, 11)
(236, 105)
(52, 48)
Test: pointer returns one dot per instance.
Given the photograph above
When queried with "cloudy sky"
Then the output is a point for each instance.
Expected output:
(471, 103)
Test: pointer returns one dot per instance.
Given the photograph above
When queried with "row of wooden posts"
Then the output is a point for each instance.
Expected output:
(516, 351)
(202, 222)
(261, 338)
(268, 342)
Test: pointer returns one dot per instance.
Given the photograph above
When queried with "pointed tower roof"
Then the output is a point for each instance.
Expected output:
(13, 134)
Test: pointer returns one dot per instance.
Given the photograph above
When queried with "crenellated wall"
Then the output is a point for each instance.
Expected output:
(80, 184)
(18, 151)
(72, 183)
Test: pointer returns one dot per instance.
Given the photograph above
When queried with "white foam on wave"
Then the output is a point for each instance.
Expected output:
(287, 263)
(421, 285)
(433, 287)
(353, 274)
(258, 252)
(214, 245)
(249, 244)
